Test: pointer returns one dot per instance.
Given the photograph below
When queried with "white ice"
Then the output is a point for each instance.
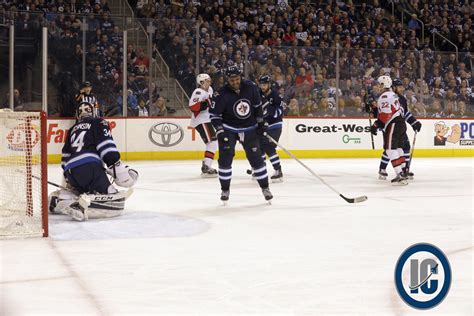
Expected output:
(177, 250)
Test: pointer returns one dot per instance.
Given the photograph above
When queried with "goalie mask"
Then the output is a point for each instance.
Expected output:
(85, 109)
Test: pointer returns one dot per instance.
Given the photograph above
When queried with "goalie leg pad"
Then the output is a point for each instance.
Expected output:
(107, 205)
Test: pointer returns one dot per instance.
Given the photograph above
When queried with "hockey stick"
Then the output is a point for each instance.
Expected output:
(348, 200)
(129, 191)
(412, 150)
(371, 135)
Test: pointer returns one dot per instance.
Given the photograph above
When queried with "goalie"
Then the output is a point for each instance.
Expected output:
(88, 192)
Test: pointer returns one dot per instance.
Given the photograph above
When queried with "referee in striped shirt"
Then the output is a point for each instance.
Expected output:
(85, 95)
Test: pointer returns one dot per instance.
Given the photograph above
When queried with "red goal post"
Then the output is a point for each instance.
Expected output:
(23, 174)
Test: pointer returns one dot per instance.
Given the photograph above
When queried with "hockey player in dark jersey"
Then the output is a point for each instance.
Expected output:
(89, 145)
(273, 107)
(236, 114)
(398, 88)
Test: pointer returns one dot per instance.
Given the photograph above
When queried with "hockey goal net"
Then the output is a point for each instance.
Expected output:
(23, 174)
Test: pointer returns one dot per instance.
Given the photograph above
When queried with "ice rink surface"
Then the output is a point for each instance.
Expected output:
(177, 250)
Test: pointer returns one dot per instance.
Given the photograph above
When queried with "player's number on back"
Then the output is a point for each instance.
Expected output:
(107, 132)
(78, 142)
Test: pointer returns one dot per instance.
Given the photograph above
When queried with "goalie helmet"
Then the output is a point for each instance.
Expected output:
(201, 78)
(385, 82)
(85, 109)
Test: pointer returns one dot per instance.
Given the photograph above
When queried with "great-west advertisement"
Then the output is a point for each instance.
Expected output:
(174, 138)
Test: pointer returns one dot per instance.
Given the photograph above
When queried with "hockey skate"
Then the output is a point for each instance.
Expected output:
(277, 176)
(399, 180)
(225, 196)
(383, 174)
(409, 175)
(77, 212)
(208, 172)
(267, 194)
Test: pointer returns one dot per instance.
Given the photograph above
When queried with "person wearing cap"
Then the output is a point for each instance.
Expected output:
(86, 95)
(236, 114)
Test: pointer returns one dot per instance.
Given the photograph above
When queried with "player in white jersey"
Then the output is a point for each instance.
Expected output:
(199, 105)
(390, 120)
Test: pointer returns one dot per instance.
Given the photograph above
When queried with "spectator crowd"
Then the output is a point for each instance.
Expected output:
(323, 56)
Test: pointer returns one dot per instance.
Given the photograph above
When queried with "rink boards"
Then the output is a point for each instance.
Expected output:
(174, 138)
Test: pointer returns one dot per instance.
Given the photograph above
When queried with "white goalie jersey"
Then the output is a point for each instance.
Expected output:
(199, 104)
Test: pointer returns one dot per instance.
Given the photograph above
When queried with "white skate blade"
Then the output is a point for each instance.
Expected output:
(382, 177)
(208, 175)
(224, 203)
(400, 183)
(279, 180)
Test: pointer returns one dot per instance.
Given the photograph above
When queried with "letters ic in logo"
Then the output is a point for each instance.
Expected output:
(423, 276)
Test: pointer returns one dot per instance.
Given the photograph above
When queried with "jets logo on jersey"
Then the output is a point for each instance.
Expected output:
(242, 108)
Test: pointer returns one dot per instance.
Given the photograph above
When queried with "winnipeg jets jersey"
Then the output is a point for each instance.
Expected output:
(89, 140)
(199, 106)
(237, 111)
(388, 107)
(273, 106)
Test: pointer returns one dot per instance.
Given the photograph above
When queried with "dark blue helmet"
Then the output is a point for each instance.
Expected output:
(86, 84)
(397, 82)
(232, 71)
(265, 79)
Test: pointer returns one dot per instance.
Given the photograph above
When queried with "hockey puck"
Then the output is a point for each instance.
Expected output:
(249, 171)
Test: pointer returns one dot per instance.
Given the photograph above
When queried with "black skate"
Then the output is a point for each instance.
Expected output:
(383, 174)
(208, 172)
(399, 180)
(267, 194)
(409, 175)
(53, 202)
(225, 196)
(277, 176)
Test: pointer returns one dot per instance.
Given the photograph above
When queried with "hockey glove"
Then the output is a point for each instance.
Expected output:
(416, 126)
(123, 175)
(374, 128)
(262, 128)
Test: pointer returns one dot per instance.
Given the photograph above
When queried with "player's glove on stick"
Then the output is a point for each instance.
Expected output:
(416, 126)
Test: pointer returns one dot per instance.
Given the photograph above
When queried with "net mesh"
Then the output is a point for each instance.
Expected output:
(21, 204)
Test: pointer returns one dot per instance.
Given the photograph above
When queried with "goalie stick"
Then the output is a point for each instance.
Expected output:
(129, 191)
(348, 200)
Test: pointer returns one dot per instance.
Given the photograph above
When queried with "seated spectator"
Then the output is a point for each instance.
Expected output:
(142, 109)
(158, 108)
(17, 102)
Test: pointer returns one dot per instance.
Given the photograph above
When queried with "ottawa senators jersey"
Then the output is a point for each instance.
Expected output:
(388, 107)
(199, 105)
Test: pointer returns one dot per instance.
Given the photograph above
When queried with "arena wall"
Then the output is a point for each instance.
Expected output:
(174, 138)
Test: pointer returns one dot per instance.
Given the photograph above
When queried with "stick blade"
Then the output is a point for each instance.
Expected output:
(358, 199)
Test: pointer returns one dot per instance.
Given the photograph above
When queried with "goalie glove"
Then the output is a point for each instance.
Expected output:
(123, 175)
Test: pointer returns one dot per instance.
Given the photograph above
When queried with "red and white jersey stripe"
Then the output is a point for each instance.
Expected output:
(199, 105)
(388, 107)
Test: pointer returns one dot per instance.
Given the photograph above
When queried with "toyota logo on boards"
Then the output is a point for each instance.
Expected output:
(166, 134)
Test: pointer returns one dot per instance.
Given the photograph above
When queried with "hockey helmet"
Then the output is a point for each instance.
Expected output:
(385, 82)
(233, 71)
(85, 109)
(265, 79)
(397, 82)
(201, 78)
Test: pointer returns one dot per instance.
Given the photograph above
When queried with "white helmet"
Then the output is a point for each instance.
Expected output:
(385, 81)
(201, 78)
